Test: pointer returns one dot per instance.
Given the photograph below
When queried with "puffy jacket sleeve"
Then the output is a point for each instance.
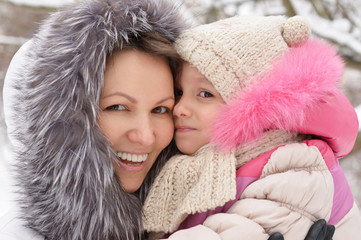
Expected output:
(294, 190)
(223, 226)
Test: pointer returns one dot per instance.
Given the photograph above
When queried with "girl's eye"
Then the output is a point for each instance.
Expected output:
(117, 107)
(161, 110)
(205, 94)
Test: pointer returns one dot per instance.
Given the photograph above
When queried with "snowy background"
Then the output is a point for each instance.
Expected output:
(337, 21)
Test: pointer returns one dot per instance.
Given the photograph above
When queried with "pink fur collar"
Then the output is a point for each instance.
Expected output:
(280, 98)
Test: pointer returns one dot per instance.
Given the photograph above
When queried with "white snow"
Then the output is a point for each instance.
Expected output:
(42, 3)
(337, 30)
(8, 40)
(358, 112)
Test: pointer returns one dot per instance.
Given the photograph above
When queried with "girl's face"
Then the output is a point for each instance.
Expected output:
(198, 103)
(136, 112)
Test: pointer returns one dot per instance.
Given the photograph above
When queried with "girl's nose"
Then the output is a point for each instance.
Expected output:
(181, 109)
(143, 133)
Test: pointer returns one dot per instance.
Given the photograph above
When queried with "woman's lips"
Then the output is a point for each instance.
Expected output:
(131, 157)
(130, 161)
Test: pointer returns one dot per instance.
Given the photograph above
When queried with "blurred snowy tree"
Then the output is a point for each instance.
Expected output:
(338, 21)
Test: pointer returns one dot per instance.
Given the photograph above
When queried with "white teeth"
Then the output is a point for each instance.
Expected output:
(132, 157)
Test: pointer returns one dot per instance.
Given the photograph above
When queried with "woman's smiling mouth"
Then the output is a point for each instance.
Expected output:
(131, 159)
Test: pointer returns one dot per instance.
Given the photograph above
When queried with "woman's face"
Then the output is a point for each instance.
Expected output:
(136, 112)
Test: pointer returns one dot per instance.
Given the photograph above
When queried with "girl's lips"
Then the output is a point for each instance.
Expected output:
(183, 129)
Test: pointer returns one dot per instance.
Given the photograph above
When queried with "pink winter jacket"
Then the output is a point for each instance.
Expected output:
(288, 188)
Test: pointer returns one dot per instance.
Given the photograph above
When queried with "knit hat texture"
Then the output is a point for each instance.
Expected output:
(230, 53)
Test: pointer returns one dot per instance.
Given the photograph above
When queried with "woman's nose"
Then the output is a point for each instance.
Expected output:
(143, 132)
(182, 109)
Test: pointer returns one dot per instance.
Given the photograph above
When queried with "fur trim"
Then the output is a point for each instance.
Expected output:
(65, 171)
(280, 98)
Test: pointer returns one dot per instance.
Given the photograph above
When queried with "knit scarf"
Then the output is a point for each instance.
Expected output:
(205, 180)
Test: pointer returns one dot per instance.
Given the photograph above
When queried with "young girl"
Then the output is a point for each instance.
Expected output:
(265, 96)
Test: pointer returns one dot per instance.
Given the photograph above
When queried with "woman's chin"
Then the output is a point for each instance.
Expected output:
(130, 187)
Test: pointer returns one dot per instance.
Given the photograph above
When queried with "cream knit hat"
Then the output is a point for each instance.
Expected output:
(267, 70)
(231, 52)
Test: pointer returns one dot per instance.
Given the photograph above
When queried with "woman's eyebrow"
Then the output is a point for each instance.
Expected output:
(131, 99)
(164, 99)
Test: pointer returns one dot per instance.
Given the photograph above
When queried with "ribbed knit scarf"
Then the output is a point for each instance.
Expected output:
(199, 182)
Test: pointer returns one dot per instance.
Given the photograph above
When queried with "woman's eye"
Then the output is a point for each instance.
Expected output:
(161, 110)
(205, 94)
(117, 107)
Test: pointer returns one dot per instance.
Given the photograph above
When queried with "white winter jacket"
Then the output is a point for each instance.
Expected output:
(284, 189)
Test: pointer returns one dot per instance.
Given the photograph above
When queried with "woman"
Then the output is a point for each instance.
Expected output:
(84, 134)
(65, 165)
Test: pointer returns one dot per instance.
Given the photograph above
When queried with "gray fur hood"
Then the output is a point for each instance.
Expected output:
(63, 161)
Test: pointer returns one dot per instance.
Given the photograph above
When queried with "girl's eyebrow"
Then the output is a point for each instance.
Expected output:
(131, 99)
(204, 80)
